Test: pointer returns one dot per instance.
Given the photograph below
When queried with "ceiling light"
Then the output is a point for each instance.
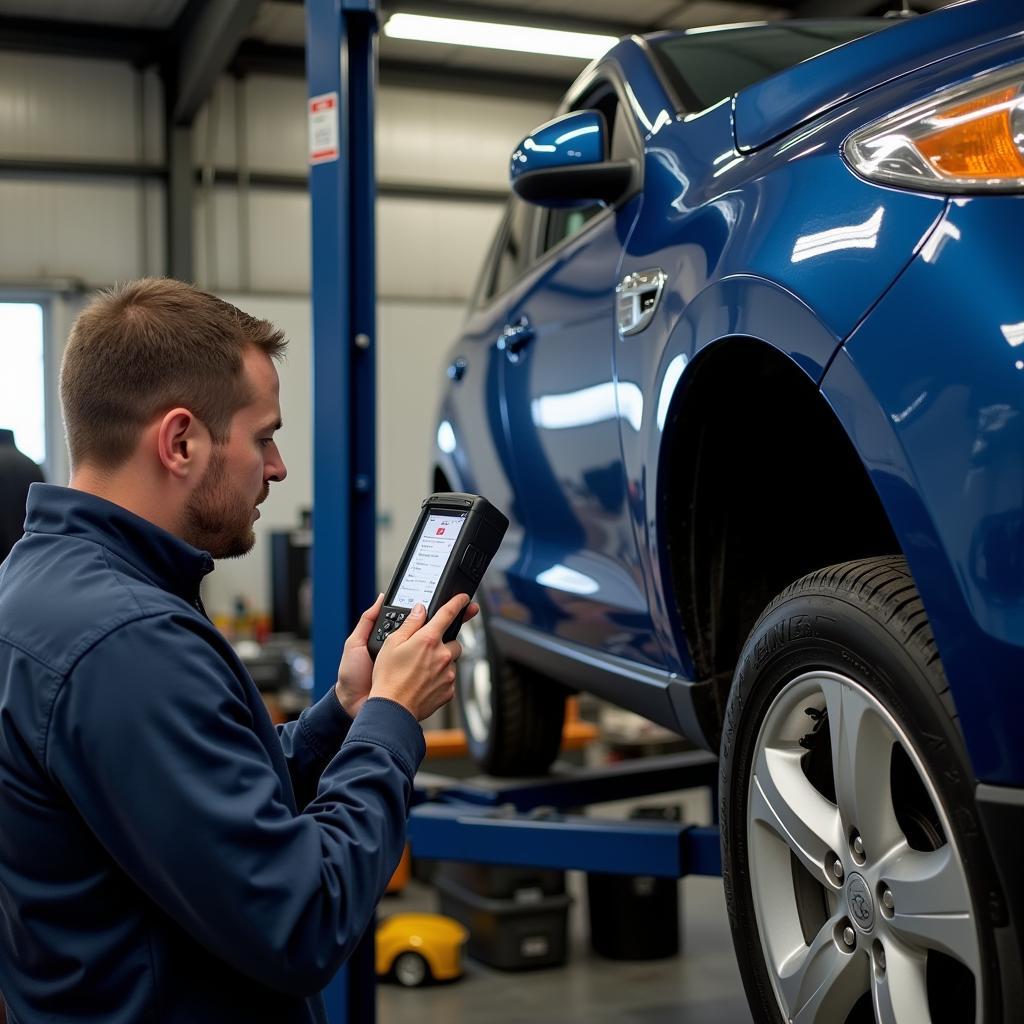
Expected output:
(495, 36)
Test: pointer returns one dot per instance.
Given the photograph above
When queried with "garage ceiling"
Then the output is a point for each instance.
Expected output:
(140, 13)
(273, 38)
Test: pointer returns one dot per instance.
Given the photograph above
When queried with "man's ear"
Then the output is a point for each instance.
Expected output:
(183, 443)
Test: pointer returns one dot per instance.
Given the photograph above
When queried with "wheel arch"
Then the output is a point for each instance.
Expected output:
(753, 493)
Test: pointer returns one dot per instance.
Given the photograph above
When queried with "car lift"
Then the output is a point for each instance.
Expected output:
(483, 820)
(524, 821)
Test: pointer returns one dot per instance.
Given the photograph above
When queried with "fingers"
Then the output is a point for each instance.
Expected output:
(364, 627)
(413, 621)
(471, 612)
(454, 649)
(446, 615)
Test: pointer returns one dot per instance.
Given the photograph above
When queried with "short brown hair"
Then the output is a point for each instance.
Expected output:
(147, 346)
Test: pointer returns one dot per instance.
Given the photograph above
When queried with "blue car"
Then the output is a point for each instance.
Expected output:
(745, 369)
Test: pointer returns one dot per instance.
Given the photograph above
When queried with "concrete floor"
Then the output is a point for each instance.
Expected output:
(700, 986)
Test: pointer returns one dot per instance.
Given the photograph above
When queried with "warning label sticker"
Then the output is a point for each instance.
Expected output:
(323, 128)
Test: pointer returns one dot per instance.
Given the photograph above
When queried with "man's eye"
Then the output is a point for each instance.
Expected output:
(266, 442)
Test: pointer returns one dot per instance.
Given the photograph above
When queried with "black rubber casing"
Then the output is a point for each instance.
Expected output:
(478, 542)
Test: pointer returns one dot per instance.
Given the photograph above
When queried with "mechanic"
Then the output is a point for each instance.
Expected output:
(165, 854)
(17, 473)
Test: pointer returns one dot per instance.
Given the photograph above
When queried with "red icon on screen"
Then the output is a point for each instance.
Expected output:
(440, 530)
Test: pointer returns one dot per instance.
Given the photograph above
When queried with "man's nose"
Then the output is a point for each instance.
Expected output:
(276, 470)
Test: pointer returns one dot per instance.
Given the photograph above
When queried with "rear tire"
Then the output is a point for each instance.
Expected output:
(512, 717)
(841, 744)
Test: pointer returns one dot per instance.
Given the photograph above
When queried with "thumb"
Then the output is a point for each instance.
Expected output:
(413, 621)
(364, 627)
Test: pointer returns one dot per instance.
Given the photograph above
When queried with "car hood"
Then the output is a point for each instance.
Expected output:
(773, 107)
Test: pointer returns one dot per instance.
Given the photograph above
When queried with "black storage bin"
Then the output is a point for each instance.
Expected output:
(635, 917)
(502, 881)
(509, 934)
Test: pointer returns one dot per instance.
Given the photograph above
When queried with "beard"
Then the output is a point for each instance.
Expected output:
(218, 519)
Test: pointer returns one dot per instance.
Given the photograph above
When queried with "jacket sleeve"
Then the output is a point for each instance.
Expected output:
(151, 738)
(310, 743)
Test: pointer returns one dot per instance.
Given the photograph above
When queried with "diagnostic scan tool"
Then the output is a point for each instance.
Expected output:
(455, 538)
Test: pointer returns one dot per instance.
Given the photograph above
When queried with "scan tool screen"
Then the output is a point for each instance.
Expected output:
(428, 560)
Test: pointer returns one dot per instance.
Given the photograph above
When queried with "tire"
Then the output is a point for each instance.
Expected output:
(841, 742)
(410, 970)
(512, 717)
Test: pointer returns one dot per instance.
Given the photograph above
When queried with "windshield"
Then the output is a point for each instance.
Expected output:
(705, 67)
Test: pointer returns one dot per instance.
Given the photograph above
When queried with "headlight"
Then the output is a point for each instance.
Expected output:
(969, 138)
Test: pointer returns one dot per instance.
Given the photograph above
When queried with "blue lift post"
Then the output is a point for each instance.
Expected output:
(341, 70)
(486, 821)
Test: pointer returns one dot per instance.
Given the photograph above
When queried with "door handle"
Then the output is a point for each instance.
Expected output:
(636, 299)
(515, 337)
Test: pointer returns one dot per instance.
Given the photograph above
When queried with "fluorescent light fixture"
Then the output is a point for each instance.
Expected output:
(495, 36)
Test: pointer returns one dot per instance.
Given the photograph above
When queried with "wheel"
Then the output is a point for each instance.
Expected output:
(411, 970)
(512, 717)
(856, 878)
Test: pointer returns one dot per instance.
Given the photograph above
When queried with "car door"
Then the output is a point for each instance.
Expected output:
(582, 579)
(473, 425)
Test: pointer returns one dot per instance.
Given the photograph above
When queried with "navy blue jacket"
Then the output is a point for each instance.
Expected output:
(166, 855)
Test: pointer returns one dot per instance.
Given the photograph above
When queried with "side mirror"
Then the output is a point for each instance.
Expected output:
(564, 163)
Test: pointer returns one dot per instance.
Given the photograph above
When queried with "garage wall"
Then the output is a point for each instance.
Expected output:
(428, 248)
(412, 336)
(67, 234)
(95, 229)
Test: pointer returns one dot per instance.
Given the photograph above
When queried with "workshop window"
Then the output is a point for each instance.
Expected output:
(22, 387)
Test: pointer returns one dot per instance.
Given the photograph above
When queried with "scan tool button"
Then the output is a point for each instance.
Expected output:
(472, 561)
(388, 626)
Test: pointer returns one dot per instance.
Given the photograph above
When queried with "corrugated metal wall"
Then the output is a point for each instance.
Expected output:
(253, 245)
(82, 110)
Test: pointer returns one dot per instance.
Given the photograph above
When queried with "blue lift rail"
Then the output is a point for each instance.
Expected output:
(530, 823)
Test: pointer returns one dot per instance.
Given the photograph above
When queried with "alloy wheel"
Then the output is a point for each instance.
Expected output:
(860, 895)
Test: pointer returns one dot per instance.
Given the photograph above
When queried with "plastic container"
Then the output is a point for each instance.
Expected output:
(635, 917)
(513, 934)
(504, 882)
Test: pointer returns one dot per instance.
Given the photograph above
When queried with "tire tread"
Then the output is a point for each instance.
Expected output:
(881, 582)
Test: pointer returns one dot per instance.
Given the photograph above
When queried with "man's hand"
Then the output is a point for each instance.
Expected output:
(415, 668)
(355, 673)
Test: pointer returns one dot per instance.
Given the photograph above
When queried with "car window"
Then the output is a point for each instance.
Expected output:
(562, 224)
(706, 67)
(511, 258)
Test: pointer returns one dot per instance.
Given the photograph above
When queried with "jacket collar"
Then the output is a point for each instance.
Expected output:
(165, 559)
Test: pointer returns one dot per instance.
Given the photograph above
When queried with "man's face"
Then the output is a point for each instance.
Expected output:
(221, 510)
